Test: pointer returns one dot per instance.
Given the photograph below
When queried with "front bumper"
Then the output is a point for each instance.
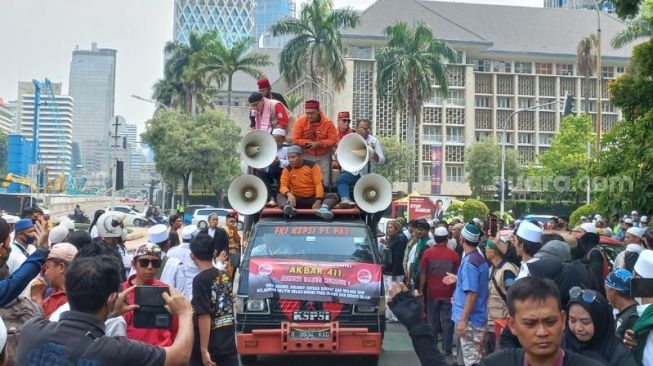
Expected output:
(342, 341)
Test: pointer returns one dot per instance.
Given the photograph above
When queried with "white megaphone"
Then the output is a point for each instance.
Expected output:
(258, 149)
(247, 194)
(353, 153)
(373, 193)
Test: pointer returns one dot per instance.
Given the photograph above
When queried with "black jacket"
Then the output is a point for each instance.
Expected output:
(220, 239)
(515, 357)
(397, 245)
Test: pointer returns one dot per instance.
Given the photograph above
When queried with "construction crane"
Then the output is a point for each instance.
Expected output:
(11, 178)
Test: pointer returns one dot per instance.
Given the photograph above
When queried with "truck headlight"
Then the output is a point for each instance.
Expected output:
(366, 309)
(255, 305)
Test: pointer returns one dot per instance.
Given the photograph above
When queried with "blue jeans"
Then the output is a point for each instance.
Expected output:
(438, 315)
(344, 181)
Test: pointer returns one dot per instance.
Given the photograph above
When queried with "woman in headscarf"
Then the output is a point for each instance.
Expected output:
(591, 329)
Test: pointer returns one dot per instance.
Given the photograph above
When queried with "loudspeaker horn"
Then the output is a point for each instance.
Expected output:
(247, 194)
(373, 193)
(258, 149)
(353, 153)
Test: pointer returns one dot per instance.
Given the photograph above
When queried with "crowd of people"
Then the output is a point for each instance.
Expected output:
(523, 292)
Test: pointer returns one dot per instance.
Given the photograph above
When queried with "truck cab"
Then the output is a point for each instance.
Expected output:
(310, 287)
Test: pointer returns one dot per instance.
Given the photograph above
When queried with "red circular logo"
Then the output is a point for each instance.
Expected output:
(265, 269)
(364, 276)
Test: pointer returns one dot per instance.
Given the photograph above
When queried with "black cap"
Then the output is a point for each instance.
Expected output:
(255, 97)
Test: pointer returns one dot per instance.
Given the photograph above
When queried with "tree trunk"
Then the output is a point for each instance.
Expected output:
(186, 191)
(587, 95)
(193, 99)
(229, 96)
(410, 142)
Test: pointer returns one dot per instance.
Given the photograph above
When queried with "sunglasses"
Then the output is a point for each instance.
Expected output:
(587, 296)
(144, 262)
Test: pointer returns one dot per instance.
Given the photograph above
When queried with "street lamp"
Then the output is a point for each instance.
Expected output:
(599, 77)
(157, 103)
(503, 148)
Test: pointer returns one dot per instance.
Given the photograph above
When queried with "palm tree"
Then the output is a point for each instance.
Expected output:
(293, 101)
(407, 68)
(231, 61)
(187, 73)
(586, 62)
(640, 27)
(316, 49)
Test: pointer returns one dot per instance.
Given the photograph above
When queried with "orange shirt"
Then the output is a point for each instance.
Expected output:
(305, 181)
(53, 302)
(304, 132)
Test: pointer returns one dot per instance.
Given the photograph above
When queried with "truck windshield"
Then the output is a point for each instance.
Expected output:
(314, 242)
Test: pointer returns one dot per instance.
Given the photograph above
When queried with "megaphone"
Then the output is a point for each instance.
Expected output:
(353, 153)
(258, 149)
(247, 194)
(373, 193)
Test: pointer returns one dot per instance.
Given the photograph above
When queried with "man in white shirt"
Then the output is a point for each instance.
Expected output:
(182, 253)
(529, 242)
(25, 235)
(347, 179)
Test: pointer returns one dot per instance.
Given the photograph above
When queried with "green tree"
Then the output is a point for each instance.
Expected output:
(474, 209)
(627, 8)
(203, 145)
(566, 160)
(586, 62)
(187, 75)
(228, 61)
(398, 159)
(483, 166)
(640, 27)
(316, 49)
(584, 210)
(293, 101)
(407, 67)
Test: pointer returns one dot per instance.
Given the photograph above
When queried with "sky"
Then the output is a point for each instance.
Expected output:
(37, 38)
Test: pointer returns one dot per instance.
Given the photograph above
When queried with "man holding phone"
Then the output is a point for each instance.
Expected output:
(146, 262)
(93, 288)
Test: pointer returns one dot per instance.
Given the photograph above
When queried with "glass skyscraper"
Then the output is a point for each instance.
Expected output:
(268, 12)
(92, 86)
(606, 6)
(233, 19)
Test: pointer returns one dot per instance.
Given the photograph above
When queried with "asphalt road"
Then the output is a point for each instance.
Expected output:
(397, 350)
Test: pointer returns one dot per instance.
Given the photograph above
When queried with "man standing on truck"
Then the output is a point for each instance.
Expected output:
(301, 187)
(316, 134)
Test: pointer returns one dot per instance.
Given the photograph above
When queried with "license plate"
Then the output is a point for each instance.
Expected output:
(309, 334)
(322, 316)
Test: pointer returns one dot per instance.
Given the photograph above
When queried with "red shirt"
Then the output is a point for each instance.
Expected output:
(155, 337)
(343, 134)
(53, 302)
(436, 262)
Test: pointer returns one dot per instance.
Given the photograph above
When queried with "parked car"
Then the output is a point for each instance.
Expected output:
(189, 211)
(201, 217)
(133, 217)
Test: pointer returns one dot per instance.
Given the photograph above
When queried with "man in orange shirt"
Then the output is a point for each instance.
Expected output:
(301, 187)
(316, 134)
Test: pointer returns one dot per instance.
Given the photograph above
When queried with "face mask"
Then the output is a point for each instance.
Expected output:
(29, 239)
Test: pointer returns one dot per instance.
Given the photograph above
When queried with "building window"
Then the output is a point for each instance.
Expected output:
(455, 173)
(482, 135)
(525, 138)
(504, 102)
(483, 101)
(437, 97)
(545, 139)
(543, 68)
(503, 66)
(608, 71)
(482, 65)
(363, 53)
(549, 107)
(608, 107)
(619, 70)
(523, 68)
(565, 69)
(525, 103)
(508, 137)
(456, 134)
(426, 172)
(432, 134)
(456, 97)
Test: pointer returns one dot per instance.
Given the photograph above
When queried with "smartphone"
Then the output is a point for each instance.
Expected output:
(151, 312)
(641, 287)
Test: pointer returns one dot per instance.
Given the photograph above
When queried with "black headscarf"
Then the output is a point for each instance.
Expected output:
(604, 344)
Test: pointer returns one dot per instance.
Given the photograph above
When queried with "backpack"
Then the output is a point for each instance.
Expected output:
(15, 314)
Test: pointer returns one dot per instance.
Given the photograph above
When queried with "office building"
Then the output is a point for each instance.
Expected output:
(92, 85)
(605, 6)
(55, 125)
(510, 58)
(267, 13)
(233, 19)
(7, 121)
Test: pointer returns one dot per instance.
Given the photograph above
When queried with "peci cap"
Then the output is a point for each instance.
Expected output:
(619, 280)
(471, 233)
(263, 83)
(11, 219)
(530, 232)
(294, 149)
(157, 234)
(278, 132)
(312, 104)
(344, 115)
(254, 97)
(644, 264)
(23, 224)
(589, 227)
(58, 234)
(440, 231)
(188, 232)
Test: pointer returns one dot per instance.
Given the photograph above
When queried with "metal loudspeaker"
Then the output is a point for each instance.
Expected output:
(373, 193)
(353, 153)
(247, 194)
(258, 149)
